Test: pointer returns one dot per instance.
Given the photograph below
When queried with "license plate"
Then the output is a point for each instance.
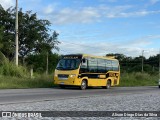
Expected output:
(61, 83)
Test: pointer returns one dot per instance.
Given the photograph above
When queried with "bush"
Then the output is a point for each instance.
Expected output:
(138, 79)
(8, 68)
(2, 58)
(42, 81)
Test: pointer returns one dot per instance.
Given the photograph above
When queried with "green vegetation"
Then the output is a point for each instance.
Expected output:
(134, 64)
(12, 76)
(42, 81)
(46, 81)
(36, 44)
(138, 79)
(34, 34)
(9, 69)
(36, 39)
(38, 62)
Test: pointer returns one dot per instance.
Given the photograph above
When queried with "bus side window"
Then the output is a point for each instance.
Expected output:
(101, 66)
(109, 65)
(84, 66)
(115, 65)
(92, 64)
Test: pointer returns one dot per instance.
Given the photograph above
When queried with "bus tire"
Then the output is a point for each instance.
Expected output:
(108, 85)
(159, 86)
(83, 85)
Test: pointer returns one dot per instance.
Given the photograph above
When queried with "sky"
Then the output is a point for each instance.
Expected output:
(99, 27)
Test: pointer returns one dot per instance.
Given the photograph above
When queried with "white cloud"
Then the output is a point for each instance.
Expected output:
(92, 14)
(105, 48)
(99, 49)
(121, 12)
(152, 2)
(145, 40)
(49, 9)
(67, 15)
(115, 14)
(111, 1)
(133, 48)
(7, 3)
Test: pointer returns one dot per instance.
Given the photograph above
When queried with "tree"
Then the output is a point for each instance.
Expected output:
(1, 36)
(34, 36)
(7, 32)
(153, 60)
(38, 62)
(118, 56)
(131, 64)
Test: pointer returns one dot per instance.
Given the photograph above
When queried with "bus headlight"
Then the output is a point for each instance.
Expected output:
(72, 75)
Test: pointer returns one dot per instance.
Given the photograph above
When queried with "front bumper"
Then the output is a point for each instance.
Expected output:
(69, 81)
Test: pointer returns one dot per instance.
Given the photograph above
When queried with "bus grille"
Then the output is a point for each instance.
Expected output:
(62, 77)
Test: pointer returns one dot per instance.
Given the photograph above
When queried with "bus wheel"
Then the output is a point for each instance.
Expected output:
(108, 85)
(83, 85)
(159, 86)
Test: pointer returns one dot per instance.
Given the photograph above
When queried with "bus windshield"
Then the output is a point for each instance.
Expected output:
(68, 64)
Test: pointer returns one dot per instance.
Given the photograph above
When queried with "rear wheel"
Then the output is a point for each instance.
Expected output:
(159, 86)
(108, 84)
(83, 85)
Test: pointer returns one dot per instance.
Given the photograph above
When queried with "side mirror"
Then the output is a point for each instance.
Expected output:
(83, 60)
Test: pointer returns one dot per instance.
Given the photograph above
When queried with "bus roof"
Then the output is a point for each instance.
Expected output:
(87, 55)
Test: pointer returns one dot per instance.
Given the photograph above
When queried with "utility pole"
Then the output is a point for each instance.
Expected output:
(16, 34)
(142, 60)
(47, 65)
(159, 65)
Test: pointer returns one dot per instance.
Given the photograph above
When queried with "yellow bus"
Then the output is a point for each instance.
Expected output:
(86, 71)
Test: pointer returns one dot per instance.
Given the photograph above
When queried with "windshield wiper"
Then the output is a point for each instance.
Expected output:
(59, 68)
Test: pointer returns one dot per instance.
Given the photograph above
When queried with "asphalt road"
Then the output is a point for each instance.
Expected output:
(16, 96)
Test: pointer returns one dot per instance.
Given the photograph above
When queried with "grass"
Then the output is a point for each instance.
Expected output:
(46, 81)
(43, 81)
(12, 76)
(138, 79)
(8, 68)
